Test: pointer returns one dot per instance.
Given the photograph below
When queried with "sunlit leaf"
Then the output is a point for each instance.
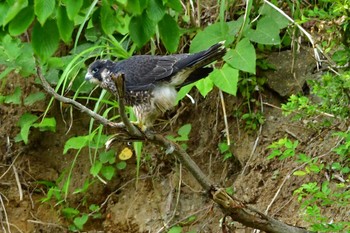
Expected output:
(274, 15)
(175, 229)
(47, 124)
(76, 143)
(266, 32)
(209, 36)
(125, 154)
(13, 9)
(243, 57)
(43, 9)
(204, 86)
(225, 79)
(299, 173)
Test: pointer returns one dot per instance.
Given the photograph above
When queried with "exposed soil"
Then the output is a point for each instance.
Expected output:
(165, 194)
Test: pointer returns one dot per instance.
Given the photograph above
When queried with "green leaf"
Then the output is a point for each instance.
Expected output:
(95, 168)
(25, 61)
(69, 212)
(22, 21)
(25, 122)
(80, 221)
(234, 27)
(121, 165)
(274, 15)
(175, 5)
(175, 229)
(169, 33)
(299, 173)
(45, 39)
(243, 57)
(267, 32)
(184, 131)
(136, 7)
(72, 7)
(223, 147)
(10, 49)
(65, 26)
(15, 98)
(108, 172)
(225, 79)
(13, 9)
(34, 97)
(210, 35)
(47, 124)
(183, 92)
(156, 10)
(108, 22)
(141, 29)
(43, 9)
(204, 86)
(76, 143)
(107, 156)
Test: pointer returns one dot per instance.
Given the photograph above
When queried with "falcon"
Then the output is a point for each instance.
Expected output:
(151, 82)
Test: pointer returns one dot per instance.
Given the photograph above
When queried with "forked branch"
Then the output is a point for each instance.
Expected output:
(230, 206)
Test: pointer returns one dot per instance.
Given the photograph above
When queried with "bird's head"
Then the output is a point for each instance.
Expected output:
(99, 72)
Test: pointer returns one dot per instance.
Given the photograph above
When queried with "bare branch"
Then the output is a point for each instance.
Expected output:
(236, 209)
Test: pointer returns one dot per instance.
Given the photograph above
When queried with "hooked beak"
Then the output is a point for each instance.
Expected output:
(88, 76)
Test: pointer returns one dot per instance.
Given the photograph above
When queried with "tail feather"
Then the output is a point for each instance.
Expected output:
(203, 58)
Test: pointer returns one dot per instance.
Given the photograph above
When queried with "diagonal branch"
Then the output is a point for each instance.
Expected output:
(230, 206)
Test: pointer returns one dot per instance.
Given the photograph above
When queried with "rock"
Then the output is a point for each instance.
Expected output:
(288, 79)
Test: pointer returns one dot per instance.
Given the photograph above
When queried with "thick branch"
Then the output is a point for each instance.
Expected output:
(230, 206)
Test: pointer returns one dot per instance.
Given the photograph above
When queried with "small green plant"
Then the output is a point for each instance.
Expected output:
(283, 148)
(332, 98)
(316, 196)
(225, 150)
(183, 135)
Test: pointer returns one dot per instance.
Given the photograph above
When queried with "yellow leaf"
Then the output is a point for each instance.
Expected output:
(125, 154)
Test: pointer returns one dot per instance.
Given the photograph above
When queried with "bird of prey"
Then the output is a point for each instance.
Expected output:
(151, 82)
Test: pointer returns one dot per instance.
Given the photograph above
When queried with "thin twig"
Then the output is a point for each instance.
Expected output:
(19, 186)
(46, 223)
(5, 213)
(225, 117)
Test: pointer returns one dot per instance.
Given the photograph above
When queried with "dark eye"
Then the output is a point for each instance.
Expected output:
(95, 70)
